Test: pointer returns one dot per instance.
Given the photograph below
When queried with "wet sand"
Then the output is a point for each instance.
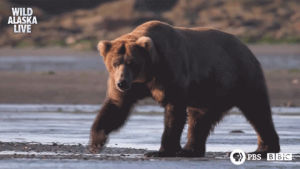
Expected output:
(90, 87)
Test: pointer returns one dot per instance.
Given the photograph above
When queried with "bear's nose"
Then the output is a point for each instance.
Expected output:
(123, 85)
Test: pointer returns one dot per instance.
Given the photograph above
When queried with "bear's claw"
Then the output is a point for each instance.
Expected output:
(95, 148)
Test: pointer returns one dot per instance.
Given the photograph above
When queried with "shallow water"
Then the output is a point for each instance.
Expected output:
(71, 63)
(178, 164)
(50, 63)
(141, 131)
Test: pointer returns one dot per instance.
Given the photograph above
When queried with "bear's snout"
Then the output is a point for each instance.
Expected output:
(123, 85)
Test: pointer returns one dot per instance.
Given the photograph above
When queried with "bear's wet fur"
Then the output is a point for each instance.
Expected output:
(197, 74)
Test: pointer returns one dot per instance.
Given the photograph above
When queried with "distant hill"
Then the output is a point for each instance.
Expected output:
(81, 24)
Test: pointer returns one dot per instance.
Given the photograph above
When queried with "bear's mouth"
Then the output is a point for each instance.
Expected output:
(123, 90)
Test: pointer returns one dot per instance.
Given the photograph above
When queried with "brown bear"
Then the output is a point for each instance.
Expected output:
(196, 74)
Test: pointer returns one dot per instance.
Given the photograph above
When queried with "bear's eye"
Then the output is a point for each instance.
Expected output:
(131, 63)
(134, 65)
(116, 64)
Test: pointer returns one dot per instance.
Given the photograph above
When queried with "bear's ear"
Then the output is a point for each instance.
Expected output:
(147, 43)
(103, 47)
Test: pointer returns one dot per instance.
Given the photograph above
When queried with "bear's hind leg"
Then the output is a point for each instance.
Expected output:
(200, 123)
(174, 121)
(258, 113)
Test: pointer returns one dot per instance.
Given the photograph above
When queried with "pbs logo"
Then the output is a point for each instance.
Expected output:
(237, 156)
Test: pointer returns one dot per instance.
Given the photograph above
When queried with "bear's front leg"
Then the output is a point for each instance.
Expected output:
(111, 117)
(114, 112)
(174, 121)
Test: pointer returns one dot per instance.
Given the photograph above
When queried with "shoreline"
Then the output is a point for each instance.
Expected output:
(257, 49)
(94, 108)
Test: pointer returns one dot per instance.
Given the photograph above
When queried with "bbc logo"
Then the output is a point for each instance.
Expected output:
(279, 156)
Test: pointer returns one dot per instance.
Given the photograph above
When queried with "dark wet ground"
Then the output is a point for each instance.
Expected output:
(36, 155)
(11, 150)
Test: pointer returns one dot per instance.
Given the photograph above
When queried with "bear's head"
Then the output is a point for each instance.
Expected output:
(126, 60)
